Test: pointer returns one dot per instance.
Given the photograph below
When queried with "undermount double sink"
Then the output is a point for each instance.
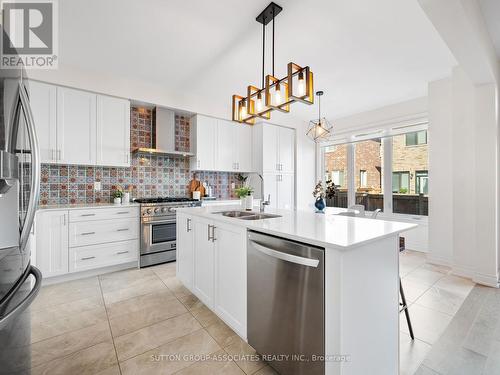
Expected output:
(246, 215)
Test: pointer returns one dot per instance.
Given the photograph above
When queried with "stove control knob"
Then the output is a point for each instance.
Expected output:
(157, 210)
(172, 209)
(164, 209)
(148, 211)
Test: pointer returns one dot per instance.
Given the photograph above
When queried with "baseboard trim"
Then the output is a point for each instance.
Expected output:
(89, 273)
(487, 280)
(438, 260)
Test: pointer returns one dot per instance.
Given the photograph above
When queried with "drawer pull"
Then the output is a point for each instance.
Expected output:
(122, 230)
(88, 258)
(87, 215)
(122, 212)
(87, 233)
(122, 252)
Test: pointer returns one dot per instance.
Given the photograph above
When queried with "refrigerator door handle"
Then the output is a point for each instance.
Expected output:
(24, 106)
(4, 320)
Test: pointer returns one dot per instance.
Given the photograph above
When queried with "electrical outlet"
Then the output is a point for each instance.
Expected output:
(233, 185)
(97, 185)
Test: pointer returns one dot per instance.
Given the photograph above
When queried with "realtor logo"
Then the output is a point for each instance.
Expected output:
(29, 34)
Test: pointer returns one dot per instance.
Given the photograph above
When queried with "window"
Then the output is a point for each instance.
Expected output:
(368, 167)
(422, 182)
(400, 182)
(335, 164)
(363, 178)
(416, 138)
(410, 182)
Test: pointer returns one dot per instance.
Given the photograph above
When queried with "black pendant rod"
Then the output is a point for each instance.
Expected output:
(263, 52)
(274, 17)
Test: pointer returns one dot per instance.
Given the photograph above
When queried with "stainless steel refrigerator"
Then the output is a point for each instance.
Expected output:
(19, 191)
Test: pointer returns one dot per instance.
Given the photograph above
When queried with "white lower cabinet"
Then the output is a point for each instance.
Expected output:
(83, 239)
(203, 280)
(231, 276)
(51, 232)
(89, 257)
(211, 262)
(185, 257)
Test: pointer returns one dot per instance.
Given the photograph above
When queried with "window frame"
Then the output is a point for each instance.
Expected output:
(385, 131)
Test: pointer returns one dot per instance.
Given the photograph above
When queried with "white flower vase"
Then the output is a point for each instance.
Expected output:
(249, 202)
(117, 200)
(243, 202)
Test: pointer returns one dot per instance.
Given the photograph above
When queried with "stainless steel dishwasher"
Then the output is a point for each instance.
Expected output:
(286, 308)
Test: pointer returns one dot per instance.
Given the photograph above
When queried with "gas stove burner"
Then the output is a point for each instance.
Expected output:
(164, 200)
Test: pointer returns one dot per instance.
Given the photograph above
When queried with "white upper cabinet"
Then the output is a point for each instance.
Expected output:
(76, 126)
(203, 136)
(221, 145)
(113, 131)
(270, 142)
(286, 147)
(274, 157)
(243, 144)
(80, 127)
(43, 101)
(225, 151)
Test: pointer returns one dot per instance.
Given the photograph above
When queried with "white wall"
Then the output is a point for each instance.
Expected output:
(440, 172)
(463, 126)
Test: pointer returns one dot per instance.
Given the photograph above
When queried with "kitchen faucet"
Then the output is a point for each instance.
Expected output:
(263, 202)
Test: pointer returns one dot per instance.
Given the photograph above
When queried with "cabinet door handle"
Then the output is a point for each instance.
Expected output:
(213, 233)
(87, 258)
(198, 163)
(52, 154)
(208, 233)
(188, 225)
(58, 154)
(122, 212)
(122, 252)
(122, 230)
(87, 233)
(83, 215)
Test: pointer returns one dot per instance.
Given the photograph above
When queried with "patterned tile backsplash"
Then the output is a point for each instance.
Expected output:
(148, 176)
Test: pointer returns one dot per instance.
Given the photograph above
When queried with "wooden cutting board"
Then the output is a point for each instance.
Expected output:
(196, 185)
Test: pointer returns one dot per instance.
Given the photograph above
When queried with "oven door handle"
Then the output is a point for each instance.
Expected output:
(159, 222)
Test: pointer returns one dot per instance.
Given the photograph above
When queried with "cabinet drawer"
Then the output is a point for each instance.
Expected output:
(93, 214)
(95, 256)
(94, 232)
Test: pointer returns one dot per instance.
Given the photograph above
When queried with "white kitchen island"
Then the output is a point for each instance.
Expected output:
(361, 277)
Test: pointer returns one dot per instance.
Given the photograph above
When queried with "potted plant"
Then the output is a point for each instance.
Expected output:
(117, 195)
(246, 197)
(319, 194)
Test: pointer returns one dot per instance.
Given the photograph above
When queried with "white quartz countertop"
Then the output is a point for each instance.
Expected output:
(86, 206)
(324, 230)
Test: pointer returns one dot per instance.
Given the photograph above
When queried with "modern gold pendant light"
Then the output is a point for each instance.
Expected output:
(274, 93)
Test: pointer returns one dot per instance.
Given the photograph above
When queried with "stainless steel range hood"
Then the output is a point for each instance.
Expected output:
(163, 123)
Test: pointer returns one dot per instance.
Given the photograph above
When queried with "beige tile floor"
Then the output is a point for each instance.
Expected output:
(145, 322)
(434, 297)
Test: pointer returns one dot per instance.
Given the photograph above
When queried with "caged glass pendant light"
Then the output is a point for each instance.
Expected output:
(319, 129)
(274, 93)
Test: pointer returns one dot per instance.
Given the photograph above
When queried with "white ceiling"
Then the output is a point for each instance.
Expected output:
(491, 13)
(365, 54)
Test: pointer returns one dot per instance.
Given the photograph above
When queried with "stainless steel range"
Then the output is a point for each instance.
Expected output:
(158, 228)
